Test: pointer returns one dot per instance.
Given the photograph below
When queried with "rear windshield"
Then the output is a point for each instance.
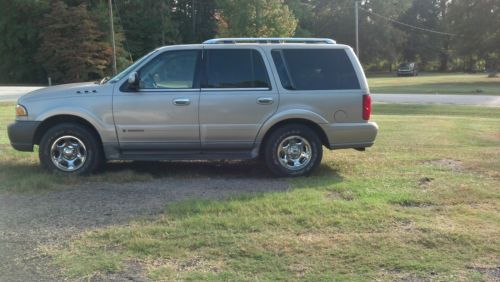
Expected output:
(315, 69)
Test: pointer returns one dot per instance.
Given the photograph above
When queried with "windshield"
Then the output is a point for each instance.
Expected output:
(131, 67)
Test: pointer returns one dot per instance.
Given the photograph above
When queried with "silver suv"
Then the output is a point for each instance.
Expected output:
(282, 99)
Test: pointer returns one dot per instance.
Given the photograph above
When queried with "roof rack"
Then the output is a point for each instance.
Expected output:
(269, 40)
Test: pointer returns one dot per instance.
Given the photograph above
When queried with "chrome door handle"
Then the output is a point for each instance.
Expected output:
(265, 100)
(182, 102)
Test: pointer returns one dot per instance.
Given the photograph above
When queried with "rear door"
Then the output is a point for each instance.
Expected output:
(236, 97)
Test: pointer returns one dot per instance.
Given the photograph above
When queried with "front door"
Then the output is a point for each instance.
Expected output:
(236, 97)
(163, 113)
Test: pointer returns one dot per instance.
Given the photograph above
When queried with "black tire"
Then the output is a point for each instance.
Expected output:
(93, 148)
(282, 133)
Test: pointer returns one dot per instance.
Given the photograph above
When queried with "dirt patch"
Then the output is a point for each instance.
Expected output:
(451, 164)
(413, 203)
(490, 273)
(414, 279)
(425, 181)
(341, 195)
(32, 220)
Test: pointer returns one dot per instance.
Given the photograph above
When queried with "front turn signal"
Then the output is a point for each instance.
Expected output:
(21, 111)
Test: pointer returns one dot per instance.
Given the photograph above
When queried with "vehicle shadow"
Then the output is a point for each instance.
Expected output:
(215, 169)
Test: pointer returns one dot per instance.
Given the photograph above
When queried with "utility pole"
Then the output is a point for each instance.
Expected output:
(193, 15)
(356, 3)
(112, 35)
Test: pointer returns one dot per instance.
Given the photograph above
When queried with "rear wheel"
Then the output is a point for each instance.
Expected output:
(70, 149)
(293, 150)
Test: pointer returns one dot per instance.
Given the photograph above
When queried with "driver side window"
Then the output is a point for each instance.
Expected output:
(171, 70)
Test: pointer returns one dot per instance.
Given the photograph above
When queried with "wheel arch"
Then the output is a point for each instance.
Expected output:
(300, 121)
(63, 118)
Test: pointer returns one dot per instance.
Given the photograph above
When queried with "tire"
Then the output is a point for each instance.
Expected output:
(276, 155)
(70, 149)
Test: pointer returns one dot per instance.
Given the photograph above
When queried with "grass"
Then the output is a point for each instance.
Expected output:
(478, 84)
(422, 203)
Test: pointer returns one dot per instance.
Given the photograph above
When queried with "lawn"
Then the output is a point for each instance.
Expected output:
(478, 84)
(423, 203)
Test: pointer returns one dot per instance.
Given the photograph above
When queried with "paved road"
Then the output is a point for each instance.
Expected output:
(11, 93)
(480, 100)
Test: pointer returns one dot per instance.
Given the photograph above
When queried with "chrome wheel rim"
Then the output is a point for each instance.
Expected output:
(68, 153)
(294, 153)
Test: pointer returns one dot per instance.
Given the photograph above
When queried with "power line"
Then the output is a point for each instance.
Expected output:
(405, 24)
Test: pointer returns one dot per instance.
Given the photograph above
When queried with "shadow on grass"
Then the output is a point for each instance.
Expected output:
(25, 175)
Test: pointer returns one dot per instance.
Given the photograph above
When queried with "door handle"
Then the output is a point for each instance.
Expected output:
(182, 102)
(265, 100)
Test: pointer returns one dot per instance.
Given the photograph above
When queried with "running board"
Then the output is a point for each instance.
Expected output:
(147, 155)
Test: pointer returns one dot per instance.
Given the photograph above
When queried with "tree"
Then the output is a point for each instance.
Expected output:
(476, 23)
(421, 45)
(148, 24)
(196, 19)
(255, 18)
(19, 29)
(379, 38)
(72, 48)
(303, 11)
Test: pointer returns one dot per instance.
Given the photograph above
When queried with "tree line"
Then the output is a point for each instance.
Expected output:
(69, 40)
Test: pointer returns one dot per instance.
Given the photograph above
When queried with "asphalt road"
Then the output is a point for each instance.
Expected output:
(479, 100)
(11, 93)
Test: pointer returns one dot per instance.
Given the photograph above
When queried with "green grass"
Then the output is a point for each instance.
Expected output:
(436, 83)
(422, 203)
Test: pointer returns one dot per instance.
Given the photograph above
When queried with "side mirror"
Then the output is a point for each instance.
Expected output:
(133, 80)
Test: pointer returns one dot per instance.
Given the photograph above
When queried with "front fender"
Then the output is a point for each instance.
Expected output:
(106, 131)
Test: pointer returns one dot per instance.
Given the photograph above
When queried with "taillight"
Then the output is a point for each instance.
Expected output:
(367, 106)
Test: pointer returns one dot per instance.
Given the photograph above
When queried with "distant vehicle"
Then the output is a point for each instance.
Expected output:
(408, 69)
(279, 98)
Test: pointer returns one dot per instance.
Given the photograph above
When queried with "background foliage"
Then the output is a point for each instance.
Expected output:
(69, 40)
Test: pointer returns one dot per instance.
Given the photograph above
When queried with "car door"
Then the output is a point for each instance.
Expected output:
(162, 114)
(236, 97)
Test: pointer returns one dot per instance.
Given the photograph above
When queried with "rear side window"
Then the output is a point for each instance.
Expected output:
(235, 68)
(315, 69)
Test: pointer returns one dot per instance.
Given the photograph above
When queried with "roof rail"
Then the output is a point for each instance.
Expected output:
(269, 40)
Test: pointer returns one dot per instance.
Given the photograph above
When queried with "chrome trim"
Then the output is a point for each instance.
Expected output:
(269, 40)
(265, 100)
(294, 153)
(181, 102)
(236, 89)
(68, 153)
(169, 90)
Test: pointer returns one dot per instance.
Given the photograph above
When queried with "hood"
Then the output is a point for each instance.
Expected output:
(64, 90)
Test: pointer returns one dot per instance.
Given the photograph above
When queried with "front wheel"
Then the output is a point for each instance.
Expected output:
(70, 149)
(293, 150)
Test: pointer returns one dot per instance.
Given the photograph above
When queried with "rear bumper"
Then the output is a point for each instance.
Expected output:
(21, 135)
(351, 135)
(405, 72)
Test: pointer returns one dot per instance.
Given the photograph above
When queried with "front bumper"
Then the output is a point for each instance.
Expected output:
(22, 133)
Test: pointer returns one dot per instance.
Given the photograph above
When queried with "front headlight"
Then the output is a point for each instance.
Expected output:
(21, 111)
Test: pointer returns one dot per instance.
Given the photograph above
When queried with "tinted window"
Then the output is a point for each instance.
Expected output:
(235, 68)
(315, 69)
(170, 70)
